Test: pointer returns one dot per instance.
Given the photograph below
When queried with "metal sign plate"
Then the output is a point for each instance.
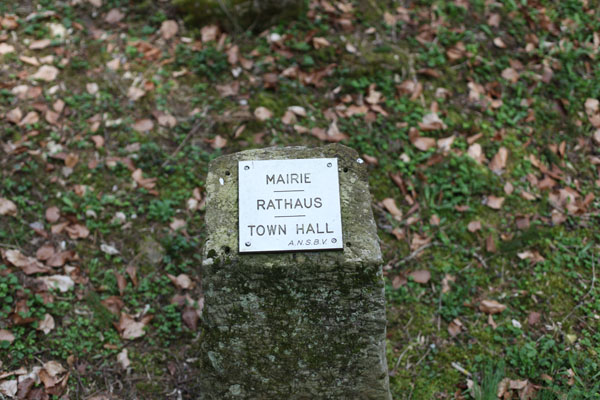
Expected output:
(289, 205)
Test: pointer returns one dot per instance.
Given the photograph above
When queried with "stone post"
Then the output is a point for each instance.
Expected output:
(299, 324)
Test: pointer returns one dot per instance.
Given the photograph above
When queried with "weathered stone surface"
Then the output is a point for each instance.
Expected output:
(305, 325)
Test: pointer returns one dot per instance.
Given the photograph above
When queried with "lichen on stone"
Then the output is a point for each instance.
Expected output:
(304, 325)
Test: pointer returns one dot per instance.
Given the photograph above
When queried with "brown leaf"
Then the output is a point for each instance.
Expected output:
(168, 29)
(146, 183)
(40, 44)
(45, 252)
(28, 265)
(98, 141)
(15, 115)
(233, 55)
(498, 42)
(490, 244)
(71, 160)
(510, 74)
(494, 202)
(47, 324)
(390, 206)
(6, 48)
(123, 359)
(491, 307)
(455, 327)
(31, 118)
(135, 93)
(46, 73)
(474, 226)
(59, 259)
(420, 276)
(121, 282)
(446, 282)
(6, 336)
(7, 207)
(77, 231)
(534, 318)
(218, 142)
(209, 33)
(229, 89)
(165, 119)
(498, 162)
(114, 16)
(52, 214)
(131, 329)
(190, 317)
(181, 281)
(114, 304)
(431, 122)
(263, 114)
(423, 143)
(131, 271)
(476, 153)
(143, 125)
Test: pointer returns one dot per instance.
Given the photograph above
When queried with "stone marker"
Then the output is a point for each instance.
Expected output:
(292, 310)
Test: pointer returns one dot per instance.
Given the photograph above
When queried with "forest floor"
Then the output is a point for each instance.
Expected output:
(480, 122)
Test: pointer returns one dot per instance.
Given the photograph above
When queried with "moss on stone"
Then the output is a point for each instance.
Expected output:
(302, 325)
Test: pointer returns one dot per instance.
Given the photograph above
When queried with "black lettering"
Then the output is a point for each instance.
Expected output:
(260, 203)
(310, 229)
(260, 229)
(307, 178)
(318, 202)
(299, 228)
(294, 178)
(270, 178)
(327, 228)
(251, 229)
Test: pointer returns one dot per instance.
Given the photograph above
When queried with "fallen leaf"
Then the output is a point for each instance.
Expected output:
(131, 329)
(165, 119)
(390, 206)
(263, 114)
(491, 307)
(494, 202)
(6, 48)
(46, 73)
(446, 282)
(15, 115)
(31, 118)
(474, 226)
(146, 183)
(110, 250)
(113, 64)
(181, 281)
(30, 60)
(92, 88)
(135, 93)
(218, 142)
(189, 315)
(6, 336)
(52, 214)
(177, 224)
(114, 16)
(168, 29)
(98, 141)
(47, 324)
(432, 122)
(498, 42)
(209, 33)
(45, 252)
(143, 125)
(423, 143)
(77, 231)
(61, 282)
(420, 276)
(7, 207)
(123, 359)
(476, 153)
(498, 162)
(454, 327)
(9, 388)
(510, 74)
(40, 44)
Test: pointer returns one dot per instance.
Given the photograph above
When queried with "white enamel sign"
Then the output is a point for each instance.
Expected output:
(289, 205)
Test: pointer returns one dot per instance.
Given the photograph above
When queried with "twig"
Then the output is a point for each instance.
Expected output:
(460, 368)
(415, 253)
(183, 142)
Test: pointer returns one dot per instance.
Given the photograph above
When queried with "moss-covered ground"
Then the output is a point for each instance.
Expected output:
(480, 120)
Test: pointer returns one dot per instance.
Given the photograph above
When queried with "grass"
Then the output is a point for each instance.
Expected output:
(542, 115)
